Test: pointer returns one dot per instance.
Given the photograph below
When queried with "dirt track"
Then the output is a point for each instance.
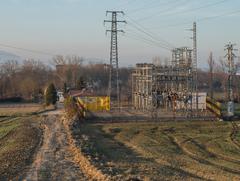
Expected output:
(54, 160)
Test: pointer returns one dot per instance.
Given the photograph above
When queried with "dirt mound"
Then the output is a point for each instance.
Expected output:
(84, 163)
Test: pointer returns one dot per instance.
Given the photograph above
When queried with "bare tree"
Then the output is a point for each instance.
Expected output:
(68, 69)
(25, 80)
(211, 64)
(59, 60)
(221, 71)
(68, 60)
(8, 71)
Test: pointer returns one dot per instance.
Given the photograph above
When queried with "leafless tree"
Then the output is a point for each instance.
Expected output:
(211, 64)
(68, 69)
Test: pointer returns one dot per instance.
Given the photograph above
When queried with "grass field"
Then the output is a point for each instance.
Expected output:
(164, 151)
(20, 135)
(19, 138)
(19, 110)
(15, 110)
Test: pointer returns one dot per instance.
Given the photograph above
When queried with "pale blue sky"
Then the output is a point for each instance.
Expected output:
(76, 27)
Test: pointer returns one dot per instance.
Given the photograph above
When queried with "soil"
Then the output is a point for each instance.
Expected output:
(54, 161)
(17, 149)
(51, 147)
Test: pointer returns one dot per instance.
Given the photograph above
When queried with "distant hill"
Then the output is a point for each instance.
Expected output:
(5, 56)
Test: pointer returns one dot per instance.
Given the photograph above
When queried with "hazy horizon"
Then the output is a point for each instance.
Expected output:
(76, 27)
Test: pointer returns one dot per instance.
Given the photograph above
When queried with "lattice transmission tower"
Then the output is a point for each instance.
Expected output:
(195, 63)
(114, 61)
(194, 66)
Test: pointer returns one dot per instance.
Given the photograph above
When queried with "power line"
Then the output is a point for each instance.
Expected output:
(151, 36)
(201, 7)
(185, 11)
(27, 50)
(143, 30)
(46, 53)
(150, 6)
(163, 11)
(153, 41)
(138, 39)
(199, 20)
(147, 41)
(125, 4)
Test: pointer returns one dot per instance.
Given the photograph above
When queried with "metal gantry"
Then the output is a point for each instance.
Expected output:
(162, 86)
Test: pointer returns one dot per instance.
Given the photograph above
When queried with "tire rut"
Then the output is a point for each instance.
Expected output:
(199, 159)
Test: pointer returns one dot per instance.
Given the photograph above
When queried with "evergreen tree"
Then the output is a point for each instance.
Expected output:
(50, 95)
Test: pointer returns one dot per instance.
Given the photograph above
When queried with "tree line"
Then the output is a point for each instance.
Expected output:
(29, 79)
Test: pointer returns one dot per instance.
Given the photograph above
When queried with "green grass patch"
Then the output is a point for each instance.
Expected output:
(6, 127)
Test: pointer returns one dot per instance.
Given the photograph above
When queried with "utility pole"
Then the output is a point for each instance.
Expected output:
(231, 71)
(114, 66)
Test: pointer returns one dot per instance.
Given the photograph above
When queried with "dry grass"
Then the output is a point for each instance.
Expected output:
(18, 141)
(170, 150)
(15, 110)
(18, 110)
(83, 162)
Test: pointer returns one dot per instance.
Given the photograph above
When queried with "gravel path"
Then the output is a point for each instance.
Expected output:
(53, 160)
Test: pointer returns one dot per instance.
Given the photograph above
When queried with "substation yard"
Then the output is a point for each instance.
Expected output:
(173, 150)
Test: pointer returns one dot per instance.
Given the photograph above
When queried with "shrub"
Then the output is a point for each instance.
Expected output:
(50, 95)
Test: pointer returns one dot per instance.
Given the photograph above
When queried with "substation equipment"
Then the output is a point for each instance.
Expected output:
(160, 88)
